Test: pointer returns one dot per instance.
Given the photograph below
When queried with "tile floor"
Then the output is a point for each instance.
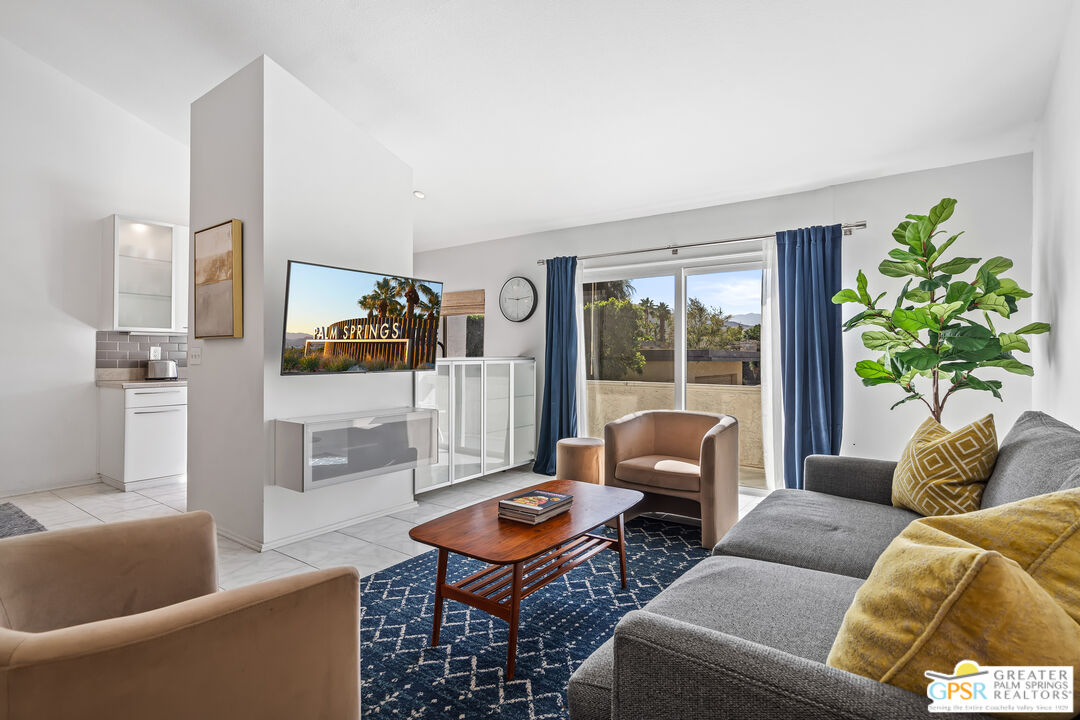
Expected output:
(369, 546)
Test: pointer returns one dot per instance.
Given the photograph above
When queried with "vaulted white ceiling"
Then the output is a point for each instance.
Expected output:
(527, 115)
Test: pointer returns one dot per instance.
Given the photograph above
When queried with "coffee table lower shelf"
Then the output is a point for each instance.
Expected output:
(499, 589)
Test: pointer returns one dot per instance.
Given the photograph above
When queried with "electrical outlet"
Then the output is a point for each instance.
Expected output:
(195, 355)
(155, 352)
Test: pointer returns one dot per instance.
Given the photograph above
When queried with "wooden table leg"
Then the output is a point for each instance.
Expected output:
(515, 612)
(440, 580)
(622, 550)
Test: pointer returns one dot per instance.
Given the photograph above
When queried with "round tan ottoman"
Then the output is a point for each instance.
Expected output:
(580, 458)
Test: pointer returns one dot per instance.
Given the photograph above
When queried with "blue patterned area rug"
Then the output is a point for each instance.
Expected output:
(464, 676)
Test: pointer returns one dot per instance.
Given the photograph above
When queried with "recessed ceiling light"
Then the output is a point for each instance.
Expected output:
(418, 194)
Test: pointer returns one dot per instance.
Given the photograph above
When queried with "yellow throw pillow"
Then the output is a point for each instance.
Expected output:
(933, 600)
(942, 472)
(1042, 534)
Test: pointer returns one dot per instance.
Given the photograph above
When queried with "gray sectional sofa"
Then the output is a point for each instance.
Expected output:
(746, 632)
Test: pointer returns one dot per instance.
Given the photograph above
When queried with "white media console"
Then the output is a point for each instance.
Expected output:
(316, 451)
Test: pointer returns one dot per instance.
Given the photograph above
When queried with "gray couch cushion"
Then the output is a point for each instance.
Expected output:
(816, 531)
(1039, 455)
(795, 610)
(792, 609)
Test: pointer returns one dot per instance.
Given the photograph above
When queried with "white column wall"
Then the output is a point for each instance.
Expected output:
(311, 186)
(334, 196)
(226, 441)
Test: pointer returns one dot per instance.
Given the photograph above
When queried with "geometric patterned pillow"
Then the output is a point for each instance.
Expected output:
(942, 472)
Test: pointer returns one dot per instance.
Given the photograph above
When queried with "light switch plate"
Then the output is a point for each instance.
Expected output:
(195, 355)
(155, 352)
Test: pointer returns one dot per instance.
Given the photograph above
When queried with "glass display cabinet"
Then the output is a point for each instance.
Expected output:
(487, 417)
(144, 276)
(433, 392)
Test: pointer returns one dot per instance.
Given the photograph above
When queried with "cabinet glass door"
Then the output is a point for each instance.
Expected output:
(524, 412)
(497, 416)
(467, 424)
(350, 449)
(433, 391)
(181, 280)
(144, 275)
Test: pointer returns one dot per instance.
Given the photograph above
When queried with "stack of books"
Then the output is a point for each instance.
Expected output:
(535, 506)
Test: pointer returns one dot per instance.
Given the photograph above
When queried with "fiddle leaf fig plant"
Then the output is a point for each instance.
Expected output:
(938, 333)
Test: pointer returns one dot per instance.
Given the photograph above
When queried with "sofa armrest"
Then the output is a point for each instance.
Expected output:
(286, 648)
(666, 669)
(850, 477)
(630, 436)
(61, 578)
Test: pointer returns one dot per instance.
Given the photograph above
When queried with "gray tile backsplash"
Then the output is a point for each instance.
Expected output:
(132, 350)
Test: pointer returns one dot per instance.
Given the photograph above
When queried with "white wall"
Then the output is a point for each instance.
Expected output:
(226, 439)
(994, 209)
(69, 158)
(1057, 229)
(334, 196)
(310, 186)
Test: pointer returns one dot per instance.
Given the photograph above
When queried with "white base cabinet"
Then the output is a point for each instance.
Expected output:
(487, 417)
(143, 435)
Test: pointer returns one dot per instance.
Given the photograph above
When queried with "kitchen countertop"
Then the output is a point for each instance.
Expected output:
(125, 384)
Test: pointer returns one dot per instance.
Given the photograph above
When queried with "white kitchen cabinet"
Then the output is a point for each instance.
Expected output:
(144, 276)
(182, 281)
(487, 417)
(142, 434)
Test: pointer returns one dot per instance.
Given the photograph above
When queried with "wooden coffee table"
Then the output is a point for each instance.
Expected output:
(523, 558)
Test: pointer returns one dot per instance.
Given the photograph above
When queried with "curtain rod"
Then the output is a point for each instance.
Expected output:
(847, 227)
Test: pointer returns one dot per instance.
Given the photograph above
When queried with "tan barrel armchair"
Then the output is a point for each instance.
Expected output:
(686, 463)
(124, 621)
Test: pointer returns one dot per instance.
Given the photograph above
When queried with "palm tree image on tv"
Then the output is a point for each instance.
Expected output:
(383, 299)
(430, 301)
(340, 320)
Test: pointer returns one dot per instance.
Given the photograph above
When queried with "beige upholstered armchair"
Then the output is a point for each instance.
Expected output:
(124, 621)
(686, 463)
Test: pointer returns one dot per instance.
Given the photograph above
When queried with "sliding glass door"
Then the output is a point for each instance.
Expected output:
(723, 355)
(635, 325)
(629, 358)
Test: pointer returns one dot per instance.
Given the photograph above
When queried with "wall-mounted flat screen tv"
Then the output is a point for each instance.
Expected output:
(348, 321)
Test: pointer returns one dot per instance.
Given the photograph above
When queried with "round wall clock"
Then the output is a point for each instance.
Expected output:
(517, 299)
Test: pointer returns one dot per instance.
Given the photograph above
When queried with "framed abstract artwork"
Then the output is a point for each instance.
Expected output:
(219, 282)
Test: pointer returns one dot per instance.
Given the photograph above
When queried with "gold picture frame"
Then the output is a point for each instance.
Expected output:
(219, 281)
